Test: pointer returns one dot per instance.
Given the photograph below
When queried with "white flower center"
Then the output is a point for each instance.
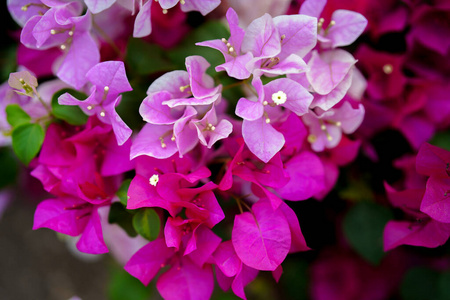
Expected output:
(154, 179)
(279, 97)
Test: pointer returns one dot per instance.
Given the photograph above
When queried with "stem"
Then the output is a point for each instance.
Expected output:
(230, 86)
(107, 39)
(49, 110)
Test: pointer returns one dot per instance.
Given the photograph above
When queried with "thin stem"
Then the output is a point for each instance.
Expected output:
(230, 86)
(107, 38)
(49, 110)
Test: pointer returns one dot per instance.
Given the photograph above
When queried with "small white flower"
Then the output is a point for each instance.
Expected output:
(279, 97)
(154, 179)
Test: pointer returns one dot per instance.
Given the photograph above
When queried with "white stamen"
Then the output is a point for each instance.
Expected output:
(71, 33)
(102, 114)
(90, 107)
(63, 47)
(53, 31)
(279, 97)
(154, 179)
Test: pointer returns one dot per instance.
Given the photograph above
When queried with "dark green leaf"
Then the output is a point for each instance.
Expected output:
(27, 140)
(420, 284)
(442, 140)
(363, 228)
(146, 58)
(208, 31)
(123, 286)
(146, 222)
(122, 192)
(9, 167)
(16, 115)
(71, 114)
(444, 286)
(119, 215)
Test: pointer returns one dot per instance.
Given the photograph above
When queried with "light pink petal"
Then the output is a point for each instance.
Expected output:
(262, 139)
(96, 6)
(110, 74)
(249, 110)
(153, 111)
(121, 130)
(298, 98)
(148, 142)
(300, 34)
(262, 38)
(327, 101)
(349, 26)
(201, 84)
(261, 240)
(204, 7)
(171, 82)
(83, 54)
(312, 8)
(328, 69)
(142, 23)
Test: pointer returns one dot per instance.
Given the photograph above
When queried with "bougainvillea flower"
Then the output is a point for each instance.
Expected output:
(433, 161)
(261, 237)
(326, 129)
(422, 231)
(328, 69)
(307, 177)
(235, 61)
(343, 28)
(96, 6)
(143, 25)
(196, 278)
(210, 130)
(61, 26)
(385, 73)
(73, 217)
(230, 271)
(108, 80)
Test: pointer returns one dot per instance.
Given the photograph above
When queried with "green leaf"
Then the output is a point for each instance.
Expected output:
(444, 285)
(123, 286)
(442, 140)
(146, 222)
(145, 58)
(208, 31)
(16, 116)
(420, 284)
(70, 114)
(122, 192)
(119, 215)
(9, 167)
(363, 228)
(27, 140)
